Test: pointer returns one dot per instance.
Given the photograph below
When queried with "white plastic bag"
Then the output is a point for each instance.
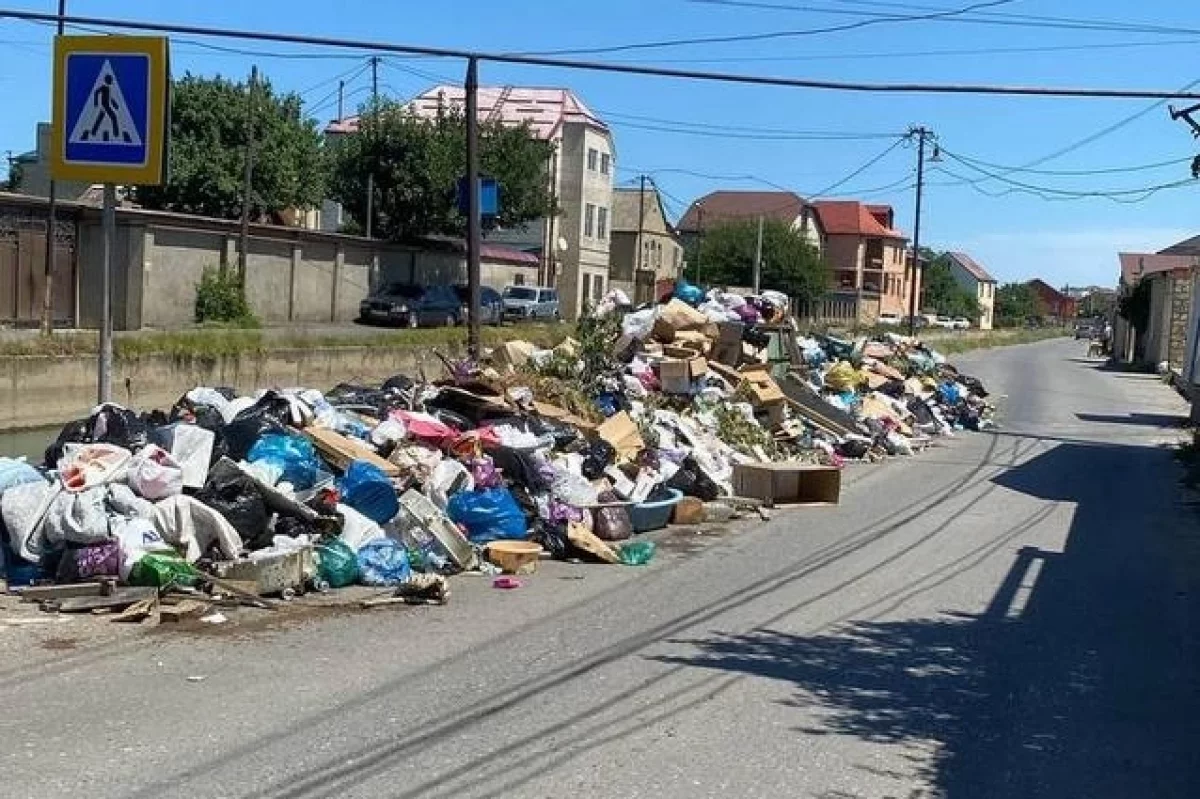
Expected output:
(389, 431)
(194, 527)
(191, 446)
(23, 507)
(449, 477)
(85, 466)
(77, 517)
(357, 530)
(154, 474)
(639, 324)
(137, 537)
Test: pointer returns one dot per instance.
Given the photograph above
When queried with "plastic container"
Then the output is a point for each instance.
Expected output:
(514, 557)
(647, 516)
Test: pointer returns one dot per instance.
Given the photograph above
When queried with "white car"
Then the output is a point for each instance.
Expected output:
(944, 322)
(889, 319)
(961, 323)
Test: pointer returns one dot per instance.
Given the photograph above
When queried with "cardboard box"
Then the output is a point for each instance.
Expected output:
(728, 347)
(676, 317)
(622, 433)
(677, 375)
(788, 483)
(512, 353)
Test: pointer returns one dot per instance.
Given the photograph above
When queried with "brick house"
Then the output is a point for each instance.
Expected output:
(719, 207)
(1053, 303)
(867, 256)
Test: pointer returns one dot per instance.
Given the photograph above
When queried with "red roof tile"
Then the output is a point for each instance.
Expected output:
(718, 206)
(852, 218)
(972, 266)
(1135, 265)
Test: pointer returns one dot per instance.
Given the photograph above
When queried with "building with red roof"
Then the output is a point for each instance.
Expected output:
(868, 256)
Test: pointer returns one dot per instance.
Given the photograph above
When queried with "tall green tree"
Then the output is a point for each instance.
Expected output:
(417, 163)
(1015, 302)
(208, 148)
(942, 294)
(789, 263)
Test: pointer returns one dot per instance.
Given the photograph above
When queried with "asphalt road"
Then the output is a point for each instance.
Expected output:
(1007, 615)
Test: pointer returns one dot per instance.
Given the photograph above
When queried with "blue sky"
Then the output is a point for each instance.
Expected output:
(694, 137)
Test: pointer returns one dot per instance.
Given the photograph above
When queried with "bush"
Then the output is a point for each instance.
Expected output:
(219, 298)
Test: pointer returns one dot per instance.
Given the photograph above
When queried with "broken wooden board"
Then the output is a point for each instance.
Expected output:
(187, 608)
(118, 600)
(814, 408)
(584, 539)
(342, 451)
(40, 593)
(138, 611)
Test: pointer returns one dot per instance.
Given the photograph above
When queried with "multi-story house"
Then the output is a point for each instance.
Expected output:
(645, 252)
(574, 244)
(868, 258)
(720, 207)
(975, 279)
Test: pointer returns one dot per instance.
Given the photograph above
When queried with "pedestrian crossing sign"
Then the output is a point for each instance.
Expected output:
(111, 103)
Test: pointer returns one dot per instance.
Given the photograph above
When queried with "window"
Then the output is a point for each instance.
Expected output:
(519, 280)
(587, 286)
(593, 157)
(597, 286)
(589, 220)
(602, 224)
(605, 163)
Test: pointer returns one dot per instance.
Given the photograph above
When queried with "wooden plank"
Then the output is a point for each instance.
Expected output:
(342, 451)
(814, 408)
(40, 593)
(118, 600)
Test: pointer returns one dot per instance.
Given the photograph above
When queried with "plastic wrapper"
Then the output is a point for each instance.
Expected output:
(293, 454)
(637, 553)
(161, 569)
(488, 515)
(383, 563)
(79, 564)
(357, 530)
(485, 474)
(639, 324)
(154, 474)
(686, 292)
(337, 564)
(369, 491)
(573, 489)
(85, 466)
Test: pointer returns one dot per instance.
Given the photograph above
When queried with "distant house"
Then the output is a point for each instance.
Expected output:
(574, 245)
(868, 257)
(720, 207)
(1053, 302)
(645, 250)
(976, 280)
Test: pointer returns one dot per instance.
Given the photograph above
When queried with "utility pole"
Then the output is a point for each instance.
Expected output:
(758, 258)
(641, 245)
(341, 100)
(474, 221)
(248, 181)
(921, 133)
(371, 174)
(52, 224)
(699, 237)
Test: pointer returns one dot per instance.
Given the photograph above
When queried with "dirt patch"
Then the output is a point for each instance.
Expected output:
(246, 622)
(59, 644)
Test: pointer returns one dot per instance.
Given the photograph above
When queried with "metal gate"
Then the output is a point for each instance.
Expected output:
(23, 268)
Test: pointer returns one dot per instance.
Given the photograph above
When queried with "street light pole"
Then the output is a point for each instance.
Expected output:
(52, 224)
(921, 134)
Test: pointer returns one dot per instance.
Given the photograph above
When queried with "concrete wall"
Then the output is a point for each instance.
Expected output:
(40, 391)
(1179, 320)
(1158, 328)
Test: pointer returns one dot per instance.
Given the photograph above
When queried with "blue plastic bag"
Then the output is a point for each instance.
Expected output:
(948, 392)
(294, 455)
(686, 292)
(488, 515)
(383, 562)
(368, 490)
(15, 472)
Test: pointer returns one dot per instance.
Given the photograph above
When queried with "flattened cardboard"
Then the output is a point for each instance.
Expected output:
(676, 317)
(788, 483)
(342, 451)
(622, 433)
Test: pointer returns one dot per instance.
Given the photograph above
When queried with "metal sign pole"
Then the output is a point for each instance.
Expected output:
(104, 390)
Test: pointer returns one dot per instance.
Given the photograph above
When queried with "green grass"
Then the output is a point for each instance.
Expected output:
(953, 343)
(216, 341)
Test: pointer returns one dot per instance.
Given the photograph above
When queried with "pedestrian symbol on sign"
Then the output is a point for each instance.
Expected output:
(106, 120)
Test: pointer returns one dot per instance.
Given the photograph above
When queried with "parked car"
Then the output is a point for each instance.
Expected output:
(889, 318)
(961, 323)
(944, 322)
(413, 306)
(489, 300)
(531, 302)
(916, 322)
(1084, 330)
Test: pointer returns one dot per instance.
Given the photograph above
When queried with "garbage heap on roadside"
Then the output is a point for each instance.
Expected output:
(692, 409)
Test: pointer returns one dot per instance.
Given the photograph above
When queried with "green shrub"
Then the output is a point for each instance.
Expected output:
(219, 298)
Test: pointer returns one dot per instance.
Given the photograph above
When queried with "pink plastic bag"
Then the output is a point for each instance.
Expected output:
(154, 474)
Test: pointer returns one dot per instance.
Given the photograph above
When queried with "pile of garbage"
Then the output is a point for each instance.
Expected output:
(696, 408)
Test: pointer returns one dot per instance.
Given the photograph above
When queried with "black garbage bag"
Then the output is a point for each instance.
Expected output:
(237, 497)
(77, 432)
(756, 338)
(854, 448)
(455, 420)
(613, 523)
(920, 409)
(693, 482)
(974, 385)
(399, 383)
(276, 406)
(894, 389)
(518, 468)
(376, 402)
(240, 435)
(475, 410)
(552, 536)
(598, 456)
(564, 434)
(112, 424)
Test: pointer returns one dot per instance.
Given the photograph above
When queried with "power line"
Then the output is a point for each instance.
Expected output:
(717, 134)
(859, 171)
(975, 16)
(1074, 172)
(768, 35)
(1065, 193)
(349, 75)
(600, 66)
(742, 129)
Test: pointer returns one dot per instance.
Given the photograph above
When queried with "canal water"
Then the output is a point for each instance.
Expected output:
(30, 443)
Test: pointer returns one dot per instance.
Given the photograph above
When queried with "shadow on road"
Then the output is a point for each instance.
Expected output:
(1137, 419)
(1078, 680)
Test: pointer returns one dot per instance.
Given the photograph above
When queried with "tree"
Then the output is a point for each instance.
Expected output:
(417, 163)
(1134, 305)
(208, 151)
(942, 294)
(789, 263)
(1016, 302)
